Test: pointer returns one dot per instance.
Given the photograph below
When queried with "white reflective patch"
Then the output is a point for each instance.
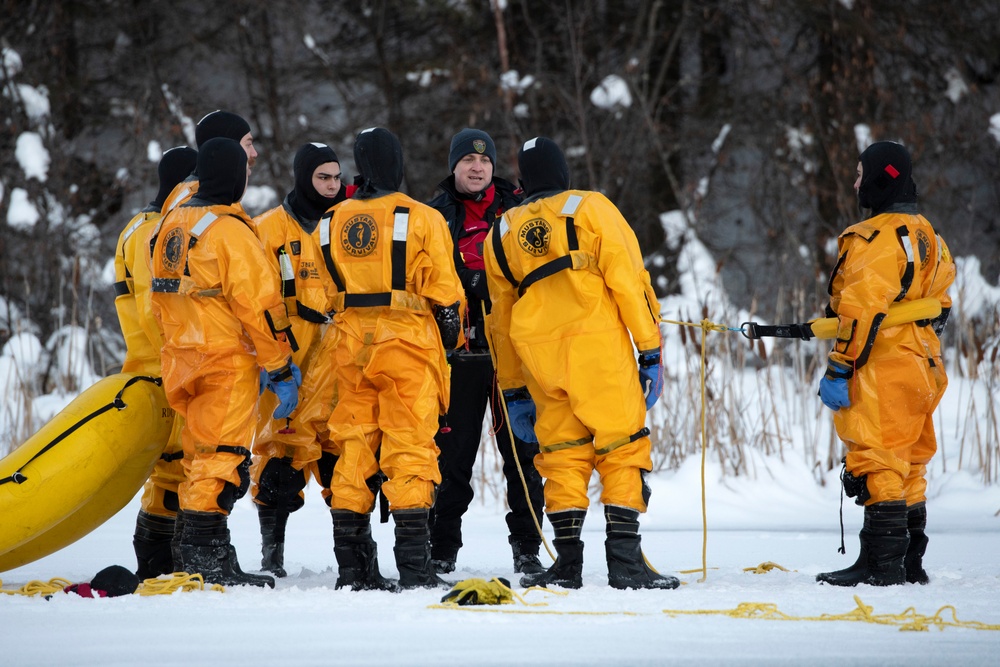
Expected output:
(203, 224)
(908, 247)
(529, 144)
(135, 226)
(285, 262)
(324, 230)
(400, 226)
(504, 226)
(370, 129)
(572, 202)
(318, 145)
(940, 243)
(180, 197)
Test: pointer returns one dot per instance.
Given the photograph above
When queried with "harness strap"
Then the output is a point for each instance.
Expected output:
(907, 278)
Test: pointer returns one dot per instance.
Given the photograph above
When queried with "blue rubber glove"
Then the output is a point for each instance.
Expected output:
(651, 376)
(833, 386)
(521, 410)
(285, 383)
(263, 381)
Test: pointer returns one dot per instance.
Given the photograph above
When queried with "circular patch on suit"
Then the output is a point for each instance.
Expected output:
(923, 247)
(359, 236)
(533, 237)
(173, 249)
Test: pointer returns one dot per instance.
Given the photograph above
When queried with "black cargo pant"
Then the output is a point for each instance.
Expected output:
(473, 388)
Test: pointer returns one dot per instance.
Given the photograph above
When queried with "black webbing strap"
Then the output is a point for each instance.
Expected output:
(907, 278)
(501, 256)
(544, 271)
(400, 231)
(169, 458)
(122, 288)
(117, 403)
(367, 300)
(309, 315)
(753, 331)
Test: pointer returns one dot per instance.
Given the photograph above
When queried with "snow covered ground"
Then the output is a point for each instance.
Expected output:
(305, 621)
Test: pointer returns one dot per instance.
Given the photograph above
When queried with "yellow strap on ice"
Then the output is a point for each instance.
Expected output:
(177, 581)
(899, 313)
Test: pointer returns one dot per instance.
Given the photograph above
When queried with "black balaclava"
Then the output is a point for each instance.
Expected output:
(543, 167)
(379, 157)
(175, 165)
(304, 200)
(222, 169)
(221, 124)
(886, 177)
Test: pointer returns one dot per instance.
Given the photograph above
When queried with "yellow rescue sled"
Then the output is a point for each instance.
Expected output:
(82, 467)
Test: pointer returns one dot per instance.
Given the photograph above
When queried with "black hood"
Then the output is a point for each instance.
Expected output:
(304, 200)
(175, 165)
(543, 167)
(222, 171)
(379, 157)
(886, 177)
(221, 124)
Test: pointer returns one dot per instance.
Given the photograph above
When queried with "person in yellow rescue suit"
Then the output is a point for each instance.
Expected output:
(218, 302)
(398, 308)
(215, 124)
(153, 536)
(154, 525)
(287, 452)
(569, 288)
(884, 384)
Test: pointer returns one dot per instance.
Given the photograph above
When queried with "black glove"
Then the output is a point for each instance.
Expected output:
(449, 322)
(478, 286)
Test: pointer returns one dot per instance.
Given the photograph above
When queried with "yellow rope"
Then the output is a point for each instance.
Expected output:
(37, 587)
(177, 581)
(908, 620)
(765, 567)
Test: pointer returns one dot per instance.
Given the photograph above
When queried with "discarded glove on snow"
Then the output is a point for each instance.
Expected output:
(480, 591)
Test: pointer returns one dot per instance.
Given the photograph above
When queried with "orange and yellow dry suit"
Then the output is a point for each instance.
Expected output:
(898, 374)
(390, 258)
(568, 287)
(143, 342)
(218, 302)
(304, 286)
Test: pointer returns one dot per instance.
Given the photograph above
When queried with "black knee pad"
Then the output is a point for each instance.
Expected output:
(231, 493)
(855, 487)
(280, 485)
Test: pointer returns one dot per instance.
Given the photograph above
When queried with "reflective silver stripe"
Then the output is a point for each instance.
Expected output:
(504, 226)
(940, 243)
(202, 225)
(324, 230)
(135, 226)
(908, 247)
(181, 196)
(400, 226)
(572, 202)
(285, 262)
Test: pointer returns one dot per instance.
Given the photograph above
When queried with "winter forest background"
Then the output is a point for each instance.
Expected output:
(727, 132)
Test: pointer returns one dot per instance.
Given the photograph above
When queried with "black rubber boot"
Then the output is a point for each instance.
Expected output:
(883, 546)
(916, 524)
(567, 571)
(205, 549)
(357, 553)
(175, 543)
(152, 545)
(627, 567)
(413, 551)
(526, 556)
(272, 539)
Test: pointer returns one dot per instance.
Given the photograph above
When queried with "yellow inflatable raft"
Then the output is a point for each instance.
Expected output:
(82, 467)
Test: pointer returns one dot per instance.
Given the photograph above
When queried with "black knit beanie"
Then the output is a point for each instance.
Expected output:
(886, 176)
(379, 157)
(175, 165)
(471, 141)
(304, 199)
(222, 171)
(221, 124)
(543, 166)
